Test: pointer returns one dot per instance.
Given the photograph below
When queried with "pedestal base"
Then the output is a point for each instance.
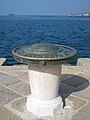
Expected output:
(44, 84)
(42, 108)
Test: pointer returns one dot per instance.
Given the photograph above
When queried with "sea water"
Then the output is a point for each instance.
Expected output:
(22, 30)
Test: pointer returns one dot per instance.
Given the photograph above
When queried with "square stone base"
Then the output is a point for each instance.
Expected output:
(43, 108)
(18, 107)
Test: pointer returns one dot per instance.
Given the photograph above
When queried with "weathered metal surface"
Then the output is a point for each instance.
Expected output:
(44, 53)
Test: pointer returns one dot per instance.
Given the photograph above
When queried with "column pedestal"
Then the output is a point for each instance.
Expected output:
(44, 84)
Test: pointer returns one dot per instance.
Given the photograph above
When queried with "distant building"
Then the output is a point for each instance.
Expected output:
(83, 14)
(72, 14)
(11, 14)
(86, 14)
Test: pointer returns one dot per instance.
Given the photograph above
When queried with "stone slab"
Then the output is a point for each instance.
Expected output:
(19, 104)
(81, 82)
(71, 69)
(83, 114)
(66, 76)
(24, 78)
(79, 89)
(14, 73)
(7, 115)
(83, 62)
(84, 75)
(2, 61)
(15, 67)
(87, 72)
(21, 67)
(77, 102)
(76, 80)
(7, 95)
(83, 91)
(7, 80)
(65, 90)
(21, 88)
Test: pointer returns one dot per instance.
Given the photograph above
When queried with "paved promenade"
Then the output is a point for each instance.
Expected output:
(74, 89)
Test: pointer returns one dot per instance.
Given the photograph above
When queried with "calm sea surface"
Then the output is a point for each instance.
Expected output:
(21, 30)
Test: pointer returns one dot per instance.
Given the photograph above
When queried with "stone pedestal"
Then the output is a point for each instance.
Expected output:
(44, 84)
(44, 63)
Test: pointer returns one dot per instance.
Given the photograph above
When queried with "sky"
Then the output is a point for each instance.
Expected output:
(44, 7)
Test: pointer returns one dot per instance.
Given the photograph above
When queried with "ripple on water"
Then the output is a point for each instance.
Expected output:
(22, 30)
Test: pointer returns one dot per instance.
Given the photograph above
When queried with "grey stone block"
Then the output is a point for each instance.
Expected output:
(21, 87)
(7, 115)
(20, 104)
(77, 102)
(12, 71)
(24, 78)
(74, 70)
(15, 67)
(87, 72)
(83, 114)
(83, 62)
(7, 80)
(76, 80)
(66, 76)
(83, 91)
(65, 90)
(21, 67)
(2, 61)
(15, 73)
(81, 83)
(7, 95)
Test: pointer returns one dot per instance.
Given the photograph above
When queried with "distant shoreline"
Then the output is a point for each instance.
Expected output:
(12, 15)
(80, 15)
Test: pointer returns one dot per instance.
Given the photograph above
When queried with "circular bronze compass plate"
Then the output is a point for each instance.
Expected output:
(44, 53)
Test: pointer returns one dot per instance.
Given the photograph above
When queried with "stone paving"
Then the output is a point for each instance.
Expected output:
(3, 61)
(74, 89)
